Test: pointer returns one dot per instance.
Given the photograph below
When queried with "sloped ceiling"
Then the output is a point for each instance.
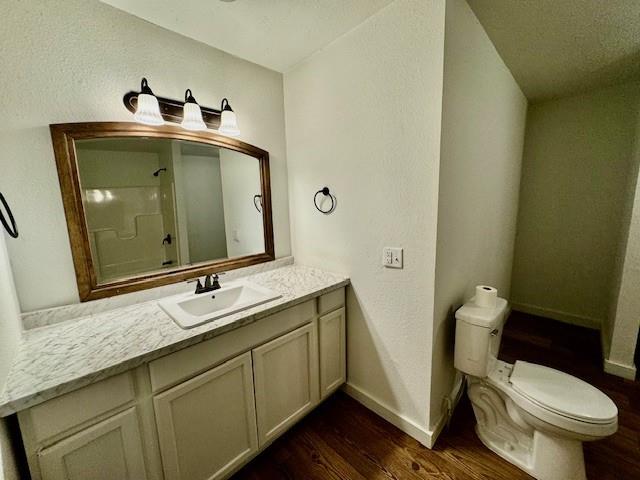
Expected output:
(560, 47)
(276, 34)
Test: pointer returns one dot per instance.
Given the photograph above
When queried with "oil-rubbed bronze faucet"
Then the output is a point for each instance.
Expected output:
(211, 283)
(216, 278)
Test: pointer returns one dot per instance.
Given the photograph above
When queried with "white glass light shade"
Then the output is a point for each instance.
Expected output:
(148, 110)
(229, 124)
(192, 117)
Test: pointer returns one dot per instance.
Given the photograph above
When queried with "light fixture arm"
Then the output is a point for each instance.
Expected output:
(188, 97)
(144, 87)
(224, 106)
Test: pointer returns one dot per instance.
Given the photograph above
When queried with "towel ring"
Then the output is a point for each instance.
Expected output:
(13, 229)
(327, 193)
(257, 202)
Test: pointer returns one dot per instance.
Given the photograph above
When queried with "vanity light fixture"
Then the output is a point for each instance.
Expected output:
(192, 115)
(148, 109)
(228, 120)
(152, 110)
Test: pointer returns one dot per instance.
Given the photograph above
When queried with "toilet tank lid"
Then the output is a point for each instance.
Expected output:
(486, 317)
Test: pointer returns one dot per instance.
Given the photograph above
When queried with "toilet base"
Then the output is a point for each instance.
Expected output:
(519, 438)
(548, 458)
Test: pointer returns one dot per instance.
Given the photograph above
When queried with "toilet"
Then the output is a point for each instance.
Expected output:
(533, 416)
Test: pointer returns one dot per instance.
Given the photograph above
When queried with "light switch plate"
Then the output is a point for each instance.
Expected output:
(392, 257)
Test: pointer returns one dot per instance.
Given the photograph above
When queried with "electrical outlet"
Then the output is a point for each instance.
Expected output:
(392, 257)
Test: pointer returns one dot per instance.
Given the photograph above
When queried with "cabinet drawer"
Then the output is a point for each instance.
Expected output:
(330, 301)
(184, 364)
(75, 408)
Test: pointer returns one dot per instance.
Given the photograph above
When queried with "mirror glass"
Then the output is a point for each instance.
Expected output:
(154, 204)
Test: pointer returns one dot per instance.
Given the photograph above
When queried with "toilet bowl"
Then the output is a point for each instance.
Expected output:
(533, 416)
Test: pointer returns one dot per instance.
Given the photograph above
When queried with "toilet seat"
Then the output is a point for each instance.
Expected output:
(562, 393)
(531, 393)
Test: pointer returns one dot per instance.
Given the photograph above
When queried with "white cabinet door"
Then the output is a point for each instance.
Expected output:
(207, 425)
(109, 450)
(286, 380)
(333, 349)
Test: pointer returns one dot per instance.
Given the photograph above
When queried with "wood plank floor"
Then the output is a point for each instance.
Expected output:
(344, 440)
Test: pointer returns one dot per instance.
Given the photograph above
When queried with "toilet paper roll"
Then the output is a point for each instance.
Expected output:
(486, 296)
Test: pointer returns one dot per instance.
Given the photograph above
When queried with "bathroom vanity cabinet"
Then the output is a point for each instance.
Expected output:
(199, 413)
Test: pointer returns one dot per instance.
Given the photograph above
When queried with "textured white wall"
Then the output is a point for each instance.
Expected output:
(73, 61)
(620, 330)
(10, 328)
(483, 124)
(10, 325)
(363, 117)
(576, 164)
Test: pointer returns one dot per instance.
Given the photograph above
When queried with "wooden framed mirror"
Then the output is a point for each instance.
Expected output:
(148, 206)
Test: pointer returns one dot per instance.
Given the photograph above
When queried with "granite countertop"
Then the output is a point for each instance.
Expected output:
(57, 359)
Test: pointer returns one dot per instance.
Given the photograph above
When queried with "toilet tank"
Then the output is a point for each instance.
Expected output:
(478, 335)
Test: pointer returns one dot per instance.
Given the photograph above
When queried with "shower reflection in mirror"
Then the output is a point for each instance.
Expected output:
(153, 203)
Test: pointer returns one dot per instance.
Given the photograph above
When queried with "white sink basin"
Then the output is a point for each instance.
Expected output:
(190, 310)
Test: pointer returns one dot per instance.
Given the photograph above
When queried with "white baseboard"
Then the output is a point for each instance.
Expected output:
(437, 429)
(456, 395)
(620, 370)
(604, 340)
(582, 321)
(611, 367)
(408, 426)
